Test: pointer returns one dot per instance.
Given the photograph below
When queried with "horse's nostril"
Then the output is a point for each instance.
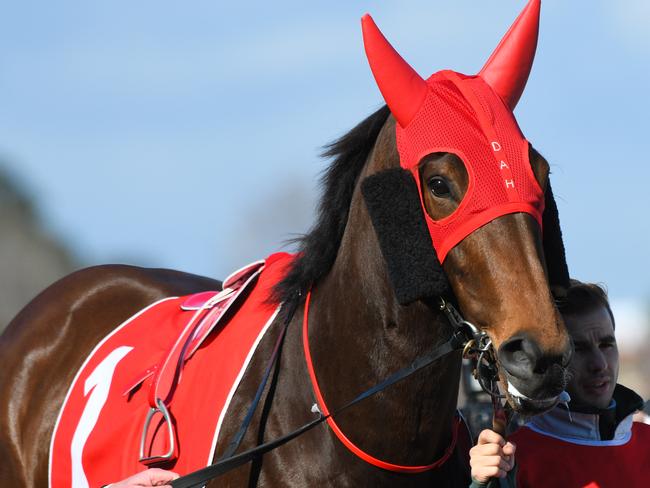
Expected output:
(513, 345)
(514, 351)
(521, 357)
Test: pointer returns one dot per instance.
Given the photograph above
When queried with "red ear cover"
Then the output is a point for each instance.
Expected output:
(471, 117)
(507, 69)
(402, 88)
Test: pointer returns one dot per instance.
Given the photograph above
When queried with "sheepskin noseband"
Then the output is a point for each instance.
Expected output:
(394, 206)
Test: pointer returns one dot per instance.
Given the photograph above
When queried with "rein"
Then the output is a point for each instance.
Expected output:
(465, 337)
(357, 451)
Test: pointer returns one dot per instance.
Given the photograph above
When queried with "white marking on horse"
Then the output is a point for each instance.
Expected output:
(99, 381)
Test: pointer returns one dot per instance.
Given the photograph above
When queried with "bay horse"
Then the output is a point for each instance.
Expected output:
(373, 276)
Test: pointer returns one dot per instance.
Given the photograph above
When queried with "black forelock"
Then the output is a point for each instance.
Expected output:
(318, 248)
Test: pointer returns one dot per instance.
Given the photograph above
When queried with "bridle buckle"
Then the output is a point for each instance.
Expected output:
(478, 347)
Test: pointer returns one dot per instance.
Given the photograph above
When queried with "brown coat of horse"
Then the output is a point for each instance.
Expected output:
(359, 334)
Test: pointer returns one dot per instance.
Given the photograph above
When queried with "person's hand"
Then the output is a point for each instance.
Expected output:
(150, 477)
(491, 457)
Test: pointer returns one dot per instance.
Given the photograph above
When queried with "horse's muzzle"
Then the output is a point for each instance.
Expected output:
(535, 379)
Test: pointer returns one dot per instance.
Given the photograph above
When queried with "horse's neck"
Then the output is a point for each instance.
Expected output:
(359, 335)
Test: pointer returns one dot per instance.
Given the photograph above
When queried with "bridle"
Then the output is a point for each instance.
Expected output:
(466, 337)
(478, 348)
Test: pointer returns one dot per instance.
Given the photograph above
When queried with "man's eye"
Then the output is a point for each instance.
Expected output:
(438, 186)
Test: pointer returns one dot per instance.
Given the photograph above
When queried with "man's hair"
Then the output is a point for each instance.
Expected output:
(584, 297)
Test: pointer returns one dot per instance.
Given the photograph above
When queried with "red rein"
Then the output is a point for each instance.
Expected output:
(342, 437)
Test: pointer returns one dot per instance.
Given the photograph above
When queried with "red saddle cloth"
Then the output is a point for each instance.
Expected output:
(180, 354)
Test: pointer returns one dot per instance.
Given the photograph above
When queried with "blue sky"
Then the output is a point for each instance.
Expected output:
(186, 134)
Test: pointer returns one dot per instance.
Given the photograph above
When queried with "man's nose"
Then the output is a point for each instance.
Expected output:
(597, 361)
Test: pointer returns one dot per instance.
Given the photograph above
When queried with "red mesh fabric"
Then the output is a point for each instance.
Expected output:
(462, 115)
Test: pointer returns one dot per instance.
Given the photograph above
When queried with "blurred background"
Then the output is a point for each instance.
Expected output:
(186, 134)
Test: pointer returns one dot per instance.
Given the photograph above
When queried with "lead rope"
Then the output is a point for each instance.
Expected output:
(500, 419)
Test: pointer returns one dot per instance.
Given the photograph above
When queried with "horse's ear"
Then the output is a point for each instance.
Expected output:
(394, 206)
(558, 272)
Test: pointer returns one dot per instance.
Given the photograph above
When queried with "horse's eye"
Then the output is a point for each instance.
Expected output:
(438, 186)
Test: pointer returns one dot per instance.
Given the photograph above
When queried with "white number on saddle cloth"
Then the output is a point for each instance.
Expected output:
(99, 381)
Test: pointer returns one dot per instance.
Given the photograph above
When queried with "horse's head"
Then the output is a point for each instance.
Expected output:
(482, 189)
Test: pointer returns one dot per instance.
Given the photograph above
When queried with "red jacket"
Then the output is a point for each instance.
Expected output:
(566, 449)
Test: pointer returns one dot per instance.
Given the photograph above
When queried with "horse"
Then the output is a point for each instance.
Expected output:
(372, 277)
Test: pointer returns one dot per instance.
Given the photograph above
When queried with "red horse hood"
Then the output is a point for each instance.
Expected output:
(471, 117)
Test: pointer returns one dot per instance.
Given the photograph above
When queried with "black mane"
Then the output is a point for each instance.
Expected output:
(318, 248)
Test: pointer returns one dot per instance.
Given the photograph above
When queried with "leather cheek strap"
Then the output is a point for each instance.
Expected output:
(393, 203)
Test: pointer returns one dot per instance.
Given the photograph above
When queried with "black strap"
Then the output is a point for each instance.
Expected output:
(236, 441)
(200, 477)
(454, 343)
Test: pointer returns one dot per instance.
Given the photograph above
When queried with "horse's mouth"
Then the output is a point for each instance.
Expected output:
(533, 406)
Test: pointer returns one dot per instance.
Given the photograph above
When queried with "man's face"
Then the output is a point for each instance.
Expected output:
(594, 366)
